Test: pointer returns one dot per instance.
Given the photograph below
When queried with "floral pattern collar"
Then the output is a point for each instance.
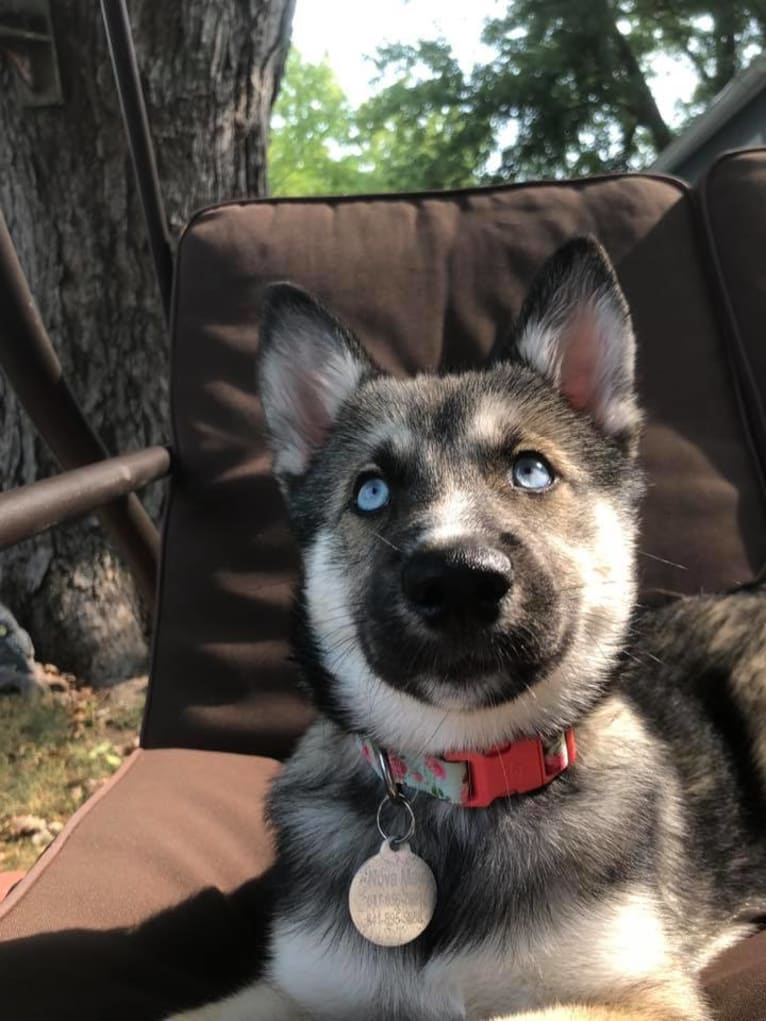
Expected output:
(476, 779)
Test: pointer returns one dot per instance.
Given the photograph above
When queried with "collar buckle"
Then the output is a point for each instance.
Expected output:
(517, 768)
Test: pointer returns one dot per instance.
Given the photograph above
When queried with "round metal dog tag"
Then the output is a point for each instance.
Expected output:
(392, 897)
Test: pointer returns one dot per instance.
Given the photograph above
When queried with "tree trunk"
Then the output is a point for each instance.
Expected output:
(727, 22)
(643, 105)
(211, 72)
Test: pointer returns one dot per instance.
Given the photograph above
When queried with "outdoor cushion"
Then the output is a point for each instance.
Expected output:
(167, 824)
(426, 281)
(174, 830)
(733, 197)
(736, 981)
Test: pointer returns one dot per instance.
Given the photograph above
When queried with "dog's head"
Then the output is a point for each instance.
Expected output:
(467, 540)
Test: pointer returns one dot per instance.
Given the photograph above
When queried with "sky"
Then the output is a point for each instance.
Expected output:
(348, 30)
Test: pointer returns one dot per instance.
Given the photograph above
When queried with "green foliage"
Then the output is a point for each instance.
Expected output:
(421, 130)
(313, 148)
(718, 38)
(571, 80)
(320, 145)
(567, 92)
(577, 74)
(572, 76)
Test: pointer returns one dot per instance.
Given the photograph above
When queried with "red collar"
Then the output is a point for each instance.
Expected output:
(476, 779)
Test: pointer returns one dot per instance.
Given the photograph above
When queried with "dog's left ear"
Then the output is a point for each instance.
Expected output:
(308, 365)
(575, 330)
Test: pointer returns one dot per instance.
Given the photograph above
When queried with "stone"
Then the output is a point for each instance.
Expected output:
(18, 670)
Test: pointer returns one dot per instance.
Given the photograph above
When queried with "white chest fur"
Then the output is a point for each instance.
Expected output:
(611, 945)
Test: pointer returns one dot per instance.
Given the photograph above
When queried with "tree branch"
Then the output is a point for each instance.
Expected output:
(699, 63)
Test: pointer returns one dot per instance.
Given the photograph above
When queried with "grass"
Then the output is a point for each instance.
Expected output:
(55, 751)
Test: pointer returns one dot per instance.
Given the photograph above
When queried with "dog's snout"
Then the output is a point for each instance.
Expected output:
(461, 583)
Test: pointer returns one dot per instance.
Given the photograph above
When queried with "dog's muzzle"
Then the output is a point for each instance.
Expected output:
(461, 585)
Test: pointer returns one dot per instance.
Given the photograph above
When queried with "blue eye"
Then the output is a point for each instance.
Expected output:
(372, 495)
(531, 471)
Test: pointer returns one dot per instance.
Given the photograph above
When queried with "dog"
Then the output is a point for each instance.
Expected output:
(578, 783)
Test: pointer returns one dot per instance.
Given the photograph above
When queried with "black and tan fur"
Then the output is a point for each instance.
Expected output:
(602, 895)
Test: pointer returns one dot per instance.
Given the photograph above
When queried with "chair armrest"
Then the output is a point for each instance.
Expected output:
(40, 505)
(31, 365)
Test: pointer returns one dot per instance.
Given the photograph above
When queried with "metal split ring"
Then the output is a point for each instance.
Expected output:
(392, 787)
(395, 842)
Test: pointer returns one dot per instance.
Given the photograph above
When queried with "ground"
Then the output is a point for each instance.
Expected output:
(56, 749)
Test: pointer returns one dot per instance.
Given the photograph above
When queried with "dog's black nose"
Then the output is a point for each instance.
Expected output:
(463, 583)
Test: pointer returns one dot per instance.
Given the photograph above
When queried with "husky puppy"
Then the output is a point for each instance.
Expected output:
(468, 584)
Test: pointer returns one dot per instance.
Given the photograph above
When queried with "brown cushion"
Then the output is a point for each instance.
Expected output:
(168, 824)
(733, 199)
(176, 832)
(427, 281)
(196, 952)
(736, 981)
(7, 882)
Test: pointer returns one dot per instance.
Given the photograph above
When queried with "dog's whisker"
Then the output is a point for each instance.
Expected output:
(432, 736)
(662, 560)
(387, 542)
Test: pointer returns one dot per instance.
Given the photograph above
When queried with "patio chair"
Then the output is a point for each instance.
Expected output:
(149, 900)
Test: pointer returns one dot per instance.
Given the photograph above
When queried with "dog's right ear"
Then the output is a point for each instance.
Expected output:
(575, 330)
(308, 365)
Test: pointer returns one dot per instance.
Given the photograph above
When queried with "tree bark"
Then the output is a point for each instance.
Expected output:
(211, 73)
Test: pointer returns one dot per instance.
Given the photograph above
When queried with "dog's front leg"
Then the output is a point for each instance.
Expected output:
(672, 996)
(583, 1012)
(259, 1002)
